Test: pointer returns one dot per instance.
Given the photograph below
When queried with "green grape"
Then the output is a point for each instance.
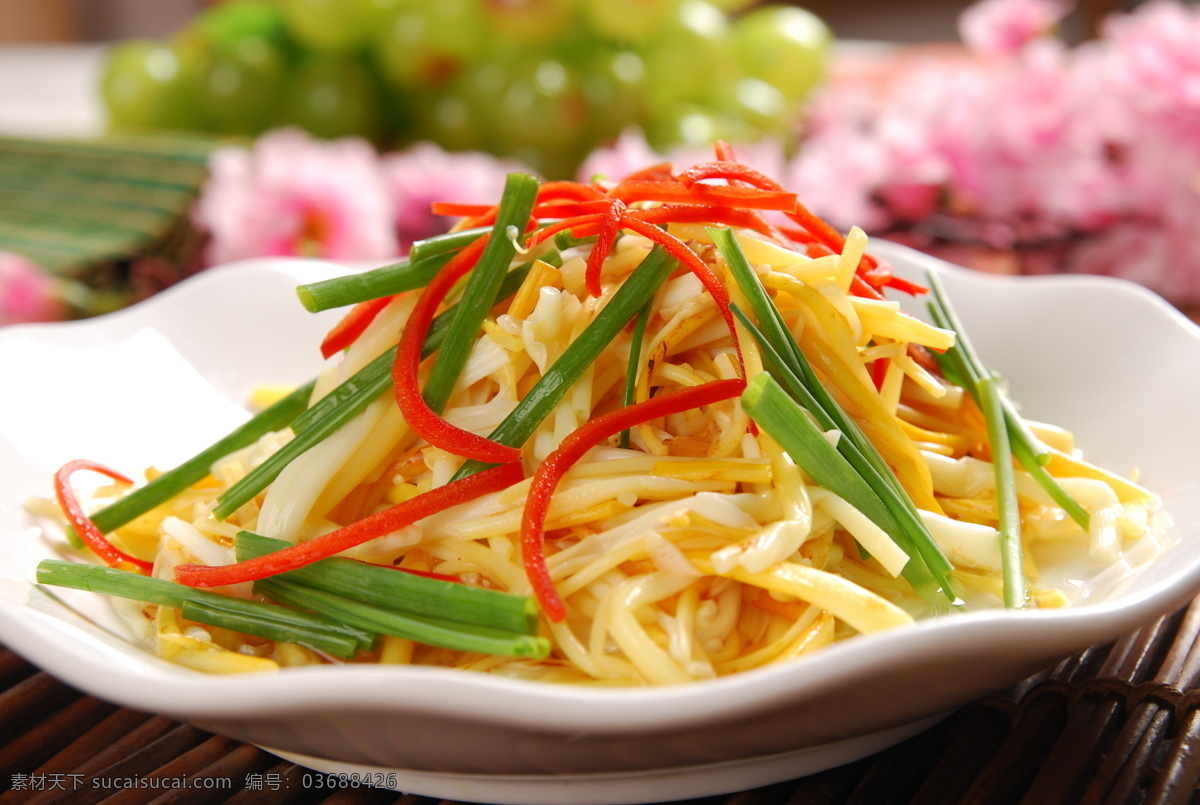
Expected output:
(463, 114)
(689, 59)
(612, 85)
(148, 85)
(544, 115)
(531, 23)
(763, 107)
(225, 25)
(733, 6)
(426, 44)
(629, 21)
(335, 26)
(333, 96)
(695, 125)
(785, 46)
(242, 88)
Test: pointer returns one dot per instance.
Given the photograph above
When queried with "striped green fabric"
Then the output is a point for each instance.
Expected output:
(88, 210)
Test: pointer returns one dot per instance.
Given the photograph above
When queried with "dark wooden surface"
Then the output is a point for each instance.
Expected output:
(1113, 724)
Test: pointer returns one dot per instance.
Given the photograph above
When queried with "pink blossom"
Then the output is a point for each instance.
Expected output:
(425, 173)
(291, 194)
(27, 293)
(872, 163)
(999, 27)
(1155, 60)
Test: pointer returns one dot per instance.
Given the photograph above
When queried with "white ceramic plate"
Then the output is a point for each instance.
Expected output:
(152, 384)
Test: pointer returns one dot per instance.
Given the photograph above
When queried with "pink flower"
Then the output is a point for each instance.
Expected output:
(294, 195)
(1155, 60)
(999, 27)
(26, 292)
(425, 173)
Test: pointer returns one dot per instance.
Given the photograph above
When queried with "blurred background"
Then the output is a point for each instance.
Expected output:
(1014, 136)
(106, 20)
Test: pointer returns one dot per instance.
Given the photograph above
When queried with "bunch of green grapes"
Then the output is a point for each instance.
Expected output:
(545, 81)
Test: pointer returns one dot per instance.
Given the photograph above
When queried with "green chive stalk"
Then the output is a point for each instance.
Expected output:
(341, 405)
(402, 592)
(962, 363)
(445, 243)
(249, 617)
(788, 362)
(635, 365)
(634, 294)
(516, 205)
(175, 481)
(1012, 569)
(430, 631)
(790, 425)
(386, 281)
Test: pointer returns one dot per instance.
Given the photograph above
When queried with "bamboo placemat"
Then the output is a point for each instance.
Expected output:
(1112, 724)
(109, 214)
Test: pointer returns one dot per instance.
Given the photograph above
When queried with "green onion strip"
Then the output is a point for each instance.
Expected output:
(400, 591)
(634, 294)
(635, 365)
(888, 505)
(342, 404)
(963, 363)
(251, 617)
(387, 281)
(175, 481)
(516, 205)
(430, 631)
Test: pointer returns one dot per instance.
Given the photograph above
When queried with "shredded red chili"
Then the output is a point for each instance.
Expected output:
(417, 413)
(610, 226)
(679, 250)
(580, 226)
(92, 536)
(352, 325)
(704, 213)
(376, 525)
(674, 192)
(573, 448)
(879, 369)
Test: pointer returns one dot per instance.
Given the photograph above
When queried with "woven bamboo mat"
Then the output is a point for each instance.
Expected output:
(1113, 724)
(109, 214)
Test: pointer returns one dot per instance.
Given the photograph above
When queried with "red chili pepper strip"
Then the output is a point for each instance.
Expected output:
(879, 369)
(92, 536)
(679, 250)
(573, 448)
(460, 210)
(704, 213)
(610, 226)
(352, 325)
(731, 171)
(746, 198)
(859, 287)
(573, 191)
(548, 193)
(417, 413)
(376, 525)
(570, 209)
(725, 153)
(573, 224)
(728, 170)
(658, 172)
(906, 286)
